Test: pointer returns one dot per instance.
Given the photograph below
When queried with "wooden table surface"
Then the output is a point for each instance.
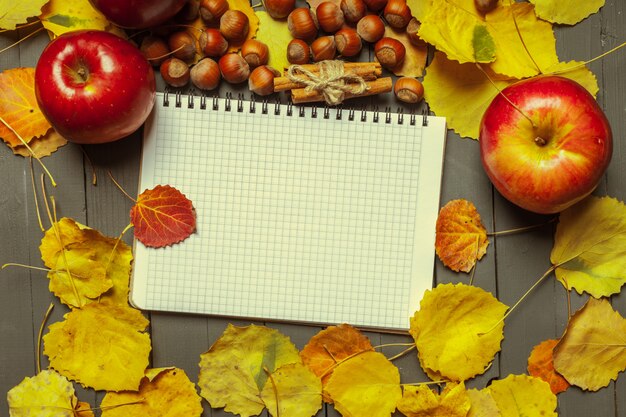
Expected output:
(512, 265)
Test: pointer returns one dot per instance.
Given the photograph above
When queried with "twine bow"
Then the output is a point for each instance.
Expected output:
(332, 81)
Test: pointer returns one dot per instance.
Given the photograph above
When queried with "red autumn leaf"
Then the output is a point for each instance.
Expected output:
(162, 216)
(541, 365)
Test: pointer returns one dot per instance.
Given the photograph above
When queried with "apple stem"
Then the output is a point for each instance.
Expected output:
(83, 74)
(540, 141)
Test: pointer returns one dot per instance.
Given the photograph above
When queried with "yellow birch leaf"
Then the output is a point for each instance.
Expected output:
(420, 8)
(591, 259)
(461, 238)
(457, 330)
(42, 146)
(295, 389)
(415, 58)
(275, 34)
(61, 16)
(333, 345)
(455, 28)
(523, 395)
(85, 264)
(367, 384)
(462, 92)
(17, 12)
(512, 59)
(421, 401)
(47, 394)
(102, 346)
(482, 404)
(163, 392)
(234, 371)
(592, 352)
(19, 108)
(568, 12)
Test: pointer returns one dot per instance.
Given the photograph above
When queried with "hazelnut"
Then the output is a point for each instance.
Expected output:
(323, 48)
(234, 68)
(298, 52)
(329, 17)
(234, 25)
(255, 52)
(409, 90)
(175, 72)
(371, 28)
(261, 80)
(206, 75)
(302, 24)
(390, 52)
(348, 42)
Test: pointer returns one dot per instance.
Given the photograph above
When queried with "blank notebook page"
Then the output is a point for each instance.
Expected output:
(300, 216)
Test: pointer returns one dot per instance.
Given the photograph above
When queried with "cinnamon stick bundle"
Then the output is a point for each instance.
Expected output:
(377, 86)
(367, 70)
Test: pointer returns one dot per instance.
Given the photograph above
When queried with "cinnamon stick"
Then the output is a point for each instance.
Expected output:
(366, 70)
(378, 86)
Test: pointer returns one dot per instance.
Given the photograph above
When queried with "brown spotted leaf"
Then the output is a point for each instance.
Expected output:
(461, 237)
(162, 216)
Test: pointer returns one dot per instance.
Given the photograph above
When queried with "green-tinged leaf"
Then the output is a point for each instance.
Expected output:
(483, 44)
(275, 34)
(592, 259)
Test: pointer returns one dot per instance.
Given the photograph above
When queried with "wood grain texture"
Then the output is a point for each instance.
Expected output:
(511, 266)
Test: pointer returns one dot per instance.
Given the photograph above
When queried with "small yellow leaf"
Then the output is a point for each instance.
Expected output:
(461, 237)
(163, 392)
(61, 16)
(592, 352)
(592, 259)
(17, 12)
(457, 330)
(483, 404)
(512, 59)
(234, 371)
(42, 146)
(568, 12)
(367, 384)
(275, 34)
(295, 389)
(421, 401)
(523, 395)
(47, 394)
(415, 57)
(102, 346)
(85, 264)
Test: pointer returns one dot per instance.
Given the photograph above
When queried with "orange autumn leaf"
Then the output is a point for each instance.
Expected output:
(541, 365)
(332, 345)
(461, 237)
(162, 216)
(18, 107)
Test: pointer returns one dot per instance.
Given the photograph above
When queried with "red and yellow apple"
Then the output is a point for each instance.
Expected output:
(94, 87)
(545, 143)
(138, 14)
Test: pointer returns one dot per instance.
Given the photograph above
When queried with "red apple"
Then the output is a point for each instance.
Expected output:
(138, 14)
(93, 86)
(557, 159)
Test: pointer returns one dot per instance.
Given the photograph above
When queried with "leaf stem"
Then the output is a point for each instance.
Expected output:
(25, 266)
(521, 38)
(581, 65)
(404, 352)
(32, 181)
(522, 229)
(30, 35)
(275, 388)
(40, 335)
(120, 187)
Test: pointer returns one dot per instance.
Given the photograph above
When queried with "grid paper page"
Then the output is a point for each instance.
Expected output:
(299, 218)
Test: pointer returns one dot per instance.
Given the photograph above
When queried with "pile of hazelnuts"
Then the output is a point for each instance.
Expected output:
(202, 58)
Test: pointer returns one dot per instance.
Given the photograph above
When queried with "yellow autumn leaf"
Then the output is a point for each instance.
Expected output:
(523, 395)
(591, 259)
(275, 34)
(512, 58)
(47, 394)
(568, 12)
(234, 371)
(61, 16)
(163, 392)
(83, 409)
(421, 401)
(482, 404)
(420, 8)
(592, 351)
(367, 384)
(457, 331)
(17, 12)
(42, 146)
(84, 264)
(295, 390)
(457, 29)
(415, 58)
(462, 92)
(102, 346)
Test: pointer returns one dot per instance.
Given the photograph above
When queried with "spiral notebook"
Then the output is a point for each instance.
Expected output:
(304, 214)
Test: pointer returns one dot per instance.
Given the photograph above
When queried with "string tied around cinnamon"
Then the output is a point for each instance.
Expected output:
(331, 81)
